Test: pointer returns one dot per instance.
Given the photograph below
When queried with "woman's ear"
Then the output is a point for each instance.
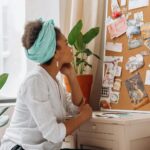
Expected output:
(57, 55)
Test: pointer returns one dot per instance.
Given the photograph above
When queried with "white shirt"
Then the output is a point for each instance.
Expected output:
(37, 122)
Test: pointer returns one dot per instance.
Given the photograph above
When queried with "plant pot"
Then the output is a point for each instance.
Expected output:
(85, 82)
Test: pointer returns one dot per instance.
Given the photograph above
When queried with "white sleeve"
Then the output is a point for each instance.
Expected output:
(36, 99)
(70, 107)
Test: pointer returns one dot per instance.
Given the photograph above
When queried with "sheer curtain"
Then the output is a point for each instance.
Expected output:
(92, 12)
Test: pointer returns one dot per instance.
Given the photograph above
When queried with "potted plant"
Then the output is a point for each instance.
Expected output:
(79, 42)
(3, 78)
(3, 118)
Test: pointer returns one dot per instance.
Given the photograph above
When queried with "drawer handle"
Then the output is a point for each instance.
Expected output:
(94, 126)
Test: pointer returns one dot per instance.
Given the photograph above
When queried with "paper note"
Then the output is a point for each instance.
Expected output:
(118, 71)
(118, 27)
(114, 6)
(114, 97)
(123, 2)
(133, 4)
(139, 16)
(115, 47)
(147, 78)
(113, 58)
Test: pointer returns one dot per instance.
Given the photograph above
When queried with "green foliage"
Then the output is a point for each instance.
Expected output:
(3, 78)
(79, 42)
(75, 32)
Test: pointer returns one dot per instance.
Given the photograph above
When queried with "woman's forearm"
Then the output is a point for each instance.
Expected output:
(77, 96)
(73, 124)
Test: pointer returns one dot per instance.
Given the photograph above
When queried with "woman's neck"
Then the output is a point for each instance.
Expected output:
(51, 69)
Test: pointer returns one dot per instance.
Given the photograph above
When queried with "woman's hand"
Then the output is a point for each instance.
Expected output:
(74, 123)
(68, 70)
(86, 111)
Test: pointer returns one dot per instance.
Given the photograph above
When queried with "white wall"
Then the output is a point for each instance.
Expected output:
(45, 9)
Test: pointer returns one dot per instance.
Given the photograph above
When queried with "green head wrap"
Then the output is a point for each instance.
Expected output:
(44, 47)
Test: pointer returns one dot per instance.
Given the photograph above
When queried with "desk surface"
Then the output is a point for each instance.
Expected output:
(120, 117)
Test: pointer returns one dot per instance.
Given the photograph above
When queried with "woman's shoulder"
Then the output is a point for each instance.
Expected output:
(34, 76)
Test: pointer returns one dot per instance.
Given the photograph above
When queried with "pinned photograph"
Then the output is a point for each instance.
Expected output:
(118, 27)
(114, 97)
(134, 43)
(133, 27)
(145, 30)
(134, 63)
(135, 89)
(139, 16)
(109, 75)
(118, 71)
(116, 12)
(147, 43)
(117, 85)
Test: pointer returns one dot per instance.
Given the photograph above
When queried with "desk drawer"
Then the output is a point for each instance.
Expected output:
(96, 144)
(97, 127)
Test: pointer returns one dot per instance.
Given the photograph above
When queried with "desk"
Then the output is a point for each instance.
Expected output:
(131, 131)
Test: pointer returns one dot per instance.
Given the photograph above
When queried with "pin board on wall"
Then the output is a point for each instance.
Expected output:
(126, 78)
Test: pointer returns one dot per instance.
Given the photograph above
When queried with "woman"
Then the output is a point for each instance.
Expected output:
(38, 122)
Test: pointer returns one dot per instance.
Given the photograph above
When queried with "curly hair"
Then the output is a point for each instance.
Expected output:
(31, 33)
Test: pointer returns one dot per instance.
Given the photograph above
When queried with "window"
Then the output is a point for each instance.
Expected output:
(12, 61)
(13, 16)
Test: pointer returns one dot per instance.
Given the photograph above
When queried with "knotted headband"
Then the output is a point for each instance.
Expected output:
(44, 46)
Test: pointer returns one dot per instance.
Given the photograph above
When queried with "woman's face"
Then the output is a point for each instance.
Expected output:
(64, 51)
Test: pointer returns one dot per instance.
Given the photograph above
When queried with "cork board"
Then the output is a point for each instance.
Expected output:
(125, 101)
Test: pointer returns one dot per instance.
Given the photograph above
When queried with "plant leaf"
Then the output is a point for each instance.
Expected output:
(74, 33)
(86, 51)
(96, 56)
(91, 34)
(87, 64)
(79, 61)
(3, 78)
(79, 44)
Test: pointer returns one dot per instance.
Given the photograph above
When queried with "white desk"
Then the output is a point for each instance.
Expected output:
(129, 132)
